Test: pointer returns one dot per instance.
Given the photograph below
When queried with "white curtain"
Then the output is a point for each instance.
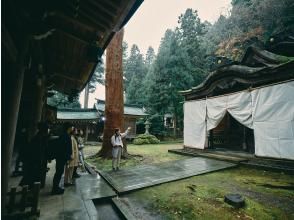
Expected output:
(239, 105)
(273, 120)
(194, 124)
(269, 111)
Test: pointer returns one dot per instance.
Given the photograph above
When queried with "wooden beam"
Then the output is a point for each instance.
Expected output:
(85, 42)
(123, 14)
(98, 24)
(112, 3)
(96, 14)
(65, 76)
(118, 21)
(73, 27)
(101, 6)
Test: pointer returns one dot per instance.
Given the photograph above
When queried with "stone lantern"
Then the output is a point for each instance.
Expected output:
(147, 126)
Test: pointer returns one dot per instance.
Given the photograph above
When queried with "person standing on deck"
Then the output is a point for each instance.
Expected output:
(117, 145)
(35, 161)
(74, 162)
(62, 155)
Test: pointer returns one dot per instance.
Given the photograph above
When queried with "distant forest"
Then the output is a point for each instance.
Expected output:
(185, 54)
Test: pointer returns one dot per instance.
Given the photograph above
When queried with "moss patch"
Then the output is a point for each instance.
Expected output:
(202, 197)
(149, 154)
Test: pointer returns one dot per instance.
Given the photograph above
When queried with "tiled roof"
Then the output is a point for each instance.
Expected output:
(77, 114)
(128, 110)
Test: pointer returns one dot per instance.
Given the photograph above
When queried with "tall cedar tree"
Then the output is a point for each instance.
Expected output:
(114, 103)
(169, 75)
(135, 71)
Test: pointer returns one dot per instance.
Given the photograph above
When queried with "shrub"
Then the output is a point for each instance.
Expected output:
(145, 139)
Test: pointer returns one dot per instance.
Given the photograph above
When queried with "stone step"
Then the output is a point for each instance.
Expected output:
(195, 153)
(123, 209)
(272, 166)
(286, 166)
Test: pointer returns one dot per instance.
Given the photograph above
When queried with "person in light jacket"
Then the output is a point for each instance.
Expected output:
(71, 164)
(117, 145)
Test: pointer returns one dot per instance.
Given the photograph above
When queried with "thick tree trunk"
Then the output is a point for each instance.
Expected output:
(114, 103)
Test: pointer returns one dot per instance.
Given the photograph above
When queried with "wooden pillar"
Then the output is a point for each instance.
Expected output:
(38, 98)
(13, 84)
(86, 133)
(86, 100)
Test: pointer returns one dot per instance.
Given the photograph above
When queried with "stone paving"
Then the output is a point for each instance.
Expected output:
(76, 202)
(149, 175)
(90, 198)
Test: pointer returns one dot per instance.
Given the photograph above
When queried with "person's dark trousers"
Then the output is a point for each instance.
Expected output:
(58, 173)
(43, 173)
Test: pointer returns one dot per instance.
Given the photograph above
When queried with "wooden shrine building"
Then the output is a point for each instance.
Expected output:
(131, 115)
(247, 105)
(50, 45)
(84, 119)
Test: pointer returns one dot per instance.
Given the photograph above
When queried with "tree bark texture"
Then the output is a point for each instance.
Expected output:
(114, 102)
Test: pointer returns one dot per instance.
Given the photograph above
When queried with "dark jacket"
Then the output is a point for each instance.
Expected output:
(64, 149)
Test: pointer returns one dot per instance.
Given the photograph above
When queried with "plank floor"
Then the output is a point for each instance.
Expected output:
(149, 175)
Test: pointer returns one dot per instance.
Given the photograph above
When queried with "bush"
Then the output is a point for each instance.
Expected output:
(145, 139)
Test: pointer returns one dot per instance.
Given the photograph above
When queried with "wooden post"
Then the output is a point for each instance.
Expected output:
(211, 145)
(86, 100)
(38, 103)
(86, 134)
(13, 84)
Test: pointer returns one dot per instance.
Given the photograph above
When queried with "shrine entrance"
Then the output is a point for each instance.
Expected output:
(231, 135)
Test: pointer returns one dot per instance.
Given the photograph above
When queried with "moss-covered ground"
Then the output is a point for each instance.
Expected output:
(268, 195)
(140, 155)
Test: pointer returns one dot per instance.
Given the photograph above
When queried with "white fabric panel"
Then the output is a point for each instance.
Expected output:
(216, 110)
(273, 120)
(239, 105)
(194, 124)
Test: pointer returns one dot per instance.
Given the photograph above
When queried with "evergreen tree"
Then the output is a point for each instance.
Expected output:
(170, 74)
(135, 72)
(150, 57)
(97, 77)
(60, 100)
(189, 34)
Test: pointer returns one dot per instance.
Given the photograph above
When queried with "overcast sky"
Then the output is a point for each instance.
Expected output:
(149, 23)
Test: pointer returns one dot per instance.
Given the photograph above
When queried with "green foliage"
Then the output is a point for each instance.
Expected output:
(63, 101)
(134, 72)
(250, 22)
(145, 139)
(97, 77)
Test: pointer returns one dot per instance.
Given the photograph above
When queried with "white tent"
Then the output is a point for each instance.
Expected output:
(269, 111)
